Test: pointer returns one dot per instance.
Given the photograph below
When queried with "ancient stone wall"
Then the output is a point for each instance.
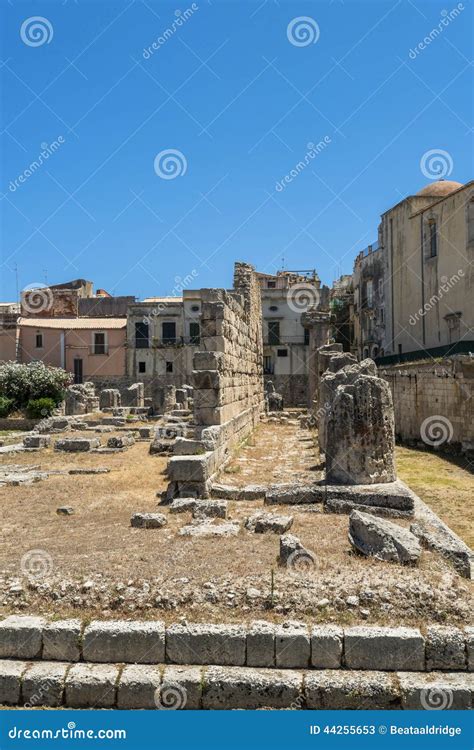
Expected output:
(425, 392)
(293, 388)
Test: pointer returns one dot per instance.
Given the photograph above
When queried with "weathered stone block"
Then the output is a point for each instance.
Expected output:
(293, 494)
(374, 648)
(181, 687)
(210, 529)
(376, 537)
(139, 687)
(61, 640)
(120, 641)
(37, 441)
(76, 445)
(338, 690)
(210, 509)
(292, 645)
(436, 691)
(91, 686)
(183, 505)
(21, 637)
(10, 681)
(262, 523)
(206, 644)
(261, 644)
(43, 684)
(246, 688)
(189, 468)
(148, 520)
(293, 554)
(469, 635)
(326, 646)
(120, 441)
(445, 648)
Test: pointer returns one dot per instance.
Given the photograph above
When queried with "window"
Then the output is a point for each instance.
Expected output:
(370, 293)
(382, 315)
(273, 332)
(273, 308)
(169, 367)
(195, 308)
(194, 333)
(306, 336)
(168, 333)
(380, 287)
(282, 352)
(375, 352)
(142, 367)
(268, 365)
(39, 340)
(470, 221)
(99, 345)
(433, 240)
(271, 284)
(399, 349)
(142, 335)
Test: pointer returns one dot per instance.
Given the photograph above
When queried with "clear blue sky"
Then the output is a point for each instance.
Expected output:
(241, 102)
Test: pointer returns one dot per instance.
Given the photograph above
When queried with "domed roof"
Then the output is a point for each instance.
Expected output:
(440, 188)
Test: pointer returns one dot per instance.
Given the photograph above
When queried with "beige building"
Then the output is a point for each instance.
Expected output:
(427, 245)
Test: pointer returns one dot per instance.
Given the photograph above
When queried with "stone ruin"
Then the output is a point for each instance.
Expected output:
(81, 399)
(273, 400)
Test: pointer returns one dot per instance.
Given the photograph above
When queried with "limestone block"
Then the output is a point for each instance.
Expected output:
(141, 642)
(186, 447)
(182, 505)
(326, 646)
(246, 688)
(61, 640)
(261, 523)
(21, 637)
(121, 441)
(189, 468)
(37, 441)
(372, 647)
(10, 681)
(205, 379)
(181, 687)
(292, 645)
(91, 686)
(109, 398)
(293, 554)
(210, 509)
(206, 644)
(208, 361)
(469, 634)
(139, 687)
(436, 691)
(376, 537)
(148, 520)
(293, 494)
(338, 690)
(211, 529)
(77, 445)
(43, 684)
(261, 644)
(445, 648)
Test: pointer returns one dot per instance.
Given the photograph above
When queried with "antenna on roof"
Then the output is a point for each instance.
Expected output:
(16, 281)
(282, 262)
(45, 272)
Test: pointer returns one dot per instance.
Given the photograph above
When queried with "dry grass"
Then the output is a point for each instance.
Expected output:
(445, 484)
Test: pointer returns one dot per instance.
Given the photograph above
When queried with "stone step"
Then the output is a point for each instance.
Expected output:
(141, 686)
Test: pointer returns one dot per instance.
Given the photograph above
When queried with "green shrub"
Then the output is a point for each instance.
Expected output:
(22, 383)
(38, 408)
(6, 406)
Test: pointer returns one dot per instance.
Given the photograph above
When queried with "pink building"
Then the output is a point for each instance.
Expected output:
(86, 347)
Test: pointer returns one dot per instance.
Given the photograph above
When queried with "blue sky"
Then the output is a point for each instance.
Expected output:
(229, 90)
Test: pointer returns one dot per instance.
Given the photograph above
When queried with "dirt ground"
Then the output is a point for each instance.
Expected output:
(93, 563)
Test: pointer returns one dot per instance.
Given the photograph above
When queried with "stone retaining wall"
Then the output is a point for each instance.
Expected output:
(134, 686)
(292, 645)
(427, 390)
